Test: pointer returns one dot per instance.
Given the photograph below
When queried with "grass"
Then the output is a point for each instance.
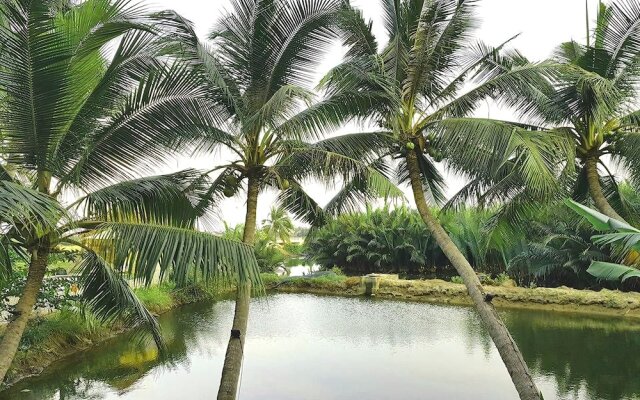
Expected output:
(157, 298)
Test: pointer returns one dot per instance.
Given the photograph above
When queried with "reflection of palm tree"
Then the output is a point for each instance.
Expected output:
(278, 225)
(566, 347)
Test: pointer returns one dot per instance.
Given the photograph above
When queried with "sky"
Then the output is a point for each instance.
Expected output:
(540, 24)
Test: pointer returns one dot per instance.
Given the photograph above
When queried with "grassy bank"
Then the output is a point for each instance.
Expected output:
(607, 302)
(50, 338)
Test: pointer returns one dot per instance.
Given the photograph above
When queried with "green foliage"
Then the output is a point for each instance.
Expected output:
(55, 293)
(278, 225)
(457, 279)
(397, 241)
(624, 238)
(64, 327)
(269, 255)
(156, 298)
(553, 249)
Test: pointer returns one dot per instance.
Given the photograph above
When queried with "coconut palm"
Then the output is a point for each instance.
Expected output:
(260, 64)
(279, 225)
(593, 99)
(82, 120)
(413, 90)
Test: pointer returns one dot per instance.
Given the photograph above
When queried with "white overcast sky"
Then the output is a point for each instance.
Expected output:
(542, 25)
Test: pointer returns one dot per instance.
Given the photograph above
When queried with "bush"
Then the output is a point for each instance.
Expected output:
(397, 241)
(156, 298)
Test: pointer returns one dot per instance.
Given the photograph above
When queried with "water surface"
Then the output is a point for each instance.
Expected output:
(310, 347)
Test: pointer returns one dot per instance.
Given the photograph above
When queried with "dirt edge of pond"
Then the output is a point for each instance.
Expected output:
(563, 299)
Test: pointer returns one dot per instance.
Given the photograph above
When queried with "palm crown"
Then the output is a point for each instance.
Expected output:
(591, 97)
(261, 63)
(414, 91)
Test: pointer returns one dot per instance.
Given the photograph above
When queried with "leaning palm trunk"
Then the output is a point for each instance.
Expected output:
(595, 190)
(15, 329)
(235, 349)
(501, 337)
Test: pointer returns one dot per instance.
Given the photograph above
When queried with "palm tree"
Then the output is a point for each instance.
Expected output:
(413, 91)
(593, 99)
(279, 225)
(79, 120)
(260, 64)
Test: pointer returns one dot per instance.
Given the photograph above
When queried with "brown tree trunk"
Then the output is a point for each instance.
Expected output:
(502, 339)
(15, 329)
(595, 190)
(233, 359)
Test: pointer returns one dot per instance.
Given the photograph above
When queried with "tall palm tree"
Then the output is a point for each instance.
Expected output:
(80, 118)
(279, 225)
(414, 90)
(260, 64)
(593, 99)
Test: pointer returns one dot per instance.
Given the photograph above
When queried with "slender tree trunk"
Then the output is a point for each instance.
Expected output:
(505, 344)
(15, 329)
(233, 359)
(595, 190)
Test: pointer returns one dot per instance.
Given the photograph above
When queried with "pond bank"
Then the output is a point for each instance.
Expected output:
(563, 299)
(50, 338)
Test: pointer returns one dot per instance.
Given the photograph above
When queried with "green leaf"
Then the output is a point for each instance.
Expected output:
(597, 219)
(146, 250)
(106, 293)
(612, 272)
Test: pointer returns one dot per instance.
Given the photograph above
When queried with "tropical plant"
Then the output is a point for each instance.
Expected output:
(390, 241)
(278, 225)
(413, 90)
(79, 120)
(557, 251)
(269, 255)
(592, 99)
(623, 237)
(261, 61)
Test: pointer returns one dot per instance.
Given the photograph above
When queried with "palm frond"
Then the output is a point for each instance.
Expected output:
(169, 110)
(303, 207)
(26, 208)
(171, 199)
(145, 249)
(108, 296)
(480, 147)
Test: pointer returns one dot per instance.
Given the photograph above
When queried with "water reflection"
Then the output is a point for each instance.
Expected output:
(308, 347)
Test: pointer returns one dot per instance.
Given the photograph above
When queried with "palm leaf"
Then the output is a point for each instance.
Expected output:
(108, 296)
(147, 249)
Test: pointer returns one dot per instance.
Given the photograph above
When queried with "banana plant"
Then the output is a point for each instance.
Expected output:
(618, 234)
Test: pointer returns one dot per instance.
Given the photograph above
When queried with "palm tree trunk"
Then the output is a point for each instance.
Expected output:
(233, 358)
(505, 344)
(595, 190)
(15, 329)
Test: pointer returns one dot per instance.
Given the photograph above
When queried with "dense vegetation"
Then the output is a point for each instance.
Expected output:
(554, 249)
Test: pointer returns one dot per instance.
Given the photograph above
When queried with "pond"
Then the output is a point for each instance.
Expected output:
(311, 347)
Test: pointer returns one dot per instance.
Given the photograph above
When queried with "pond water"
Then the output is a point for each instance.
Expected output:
(310, 347)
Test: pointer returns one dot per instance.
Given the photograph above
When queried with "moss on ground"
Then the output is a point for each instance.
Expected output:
(609, 302)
